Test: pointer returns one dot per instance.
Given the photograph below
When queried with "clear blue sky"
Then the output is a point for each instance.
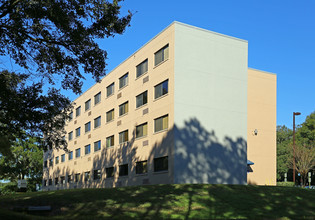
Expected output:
(280, 35)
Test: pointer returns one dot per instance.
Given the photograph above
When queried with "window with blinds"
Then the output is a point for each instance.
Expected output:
(142, 68)
(161, 55)
(161, 123)
(142, 130)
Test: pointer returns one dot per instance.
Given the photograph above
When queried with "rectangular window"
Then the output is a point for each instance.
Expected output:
(87, 149)
(142, 68)
(78, 111)
(69, 178)
(87, 105)
(161, 164)
(62, 180)
(161, 55)
(97, 122)
(123, 136)
(123, 81)
(56, 181)
(87, 127)
(45, 183)
(109, 172)
(123, 109)
(50, 182)
(45, 163)
(161, 89)
(70, 116)
(110, 115)
(142, 99)
(77, 152)
(70, 155)
(86, 176)
(63, 158)
(57, 160)
(97, 174)
(97, 98)
(51, 162)
(142, 130)
(97, 146)
(142, 167)
(123, 170)
(110, 89)
(70, 135)
(161, 123)
(78, 132)
(77, 177)
(110, 141)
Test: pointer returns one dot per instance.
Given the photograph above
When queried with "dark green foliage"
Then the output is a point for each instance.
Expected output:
(304, 149)
(284, 155)
(25, 111)
(57, 37)
(287, 184)
(24, 161)
(8, 188)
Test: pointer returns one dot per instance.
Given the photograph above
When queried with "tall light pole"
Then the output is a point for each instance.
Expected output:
(294, 114)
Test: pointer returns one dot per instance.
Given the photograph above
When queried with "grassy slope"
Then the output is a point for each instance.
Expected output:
(172, 201)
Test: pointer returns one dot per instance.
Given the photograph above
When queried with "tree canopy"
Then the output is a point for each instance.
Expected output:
(55, 37)
(25, 161)
(304, 149)
(53, 41)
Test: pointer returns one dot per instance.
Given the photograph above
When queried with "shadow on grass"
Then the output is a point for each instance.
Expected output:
(187, 201)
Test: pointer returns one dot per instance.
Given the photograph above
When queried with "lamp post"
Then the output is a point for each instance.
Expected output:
(294, 114)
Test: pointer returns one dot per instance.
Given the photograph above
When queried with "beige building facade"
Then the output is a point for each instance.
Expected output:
(181, 109)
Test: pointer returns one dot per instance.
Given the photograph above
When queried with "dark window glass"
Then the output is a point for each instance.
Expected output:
(97, 146)
(161, 55)
(123, 170)
(78, 152)
(161, 164)
(123, 81)
(87, 149)
(142, 68)
(87, 127)
(78, 111)
(97, 174)
(142, 99)
(97, 122)
(109, 172)
(97, 98)
(87, 104)
(110, 89)
(141, 167)
(161, 89)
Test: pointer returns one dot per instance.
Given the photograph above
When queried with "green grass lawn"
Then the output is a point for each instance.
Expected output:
(191, 201)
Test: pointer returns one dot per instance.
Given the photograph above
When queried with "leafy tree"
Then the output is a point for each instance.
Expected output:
(306, 132)
(304, 148)
(304, 160)
(24, 111)
(25, 161)
(54, 42)
(57, 37)
(284, 155)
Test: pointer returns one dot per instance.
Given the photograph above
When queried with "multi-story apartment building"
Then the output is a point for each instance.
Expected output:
(184, 108)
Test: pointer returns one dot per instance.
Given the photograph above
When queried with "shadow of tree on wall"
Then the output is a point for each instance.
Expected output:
(200, 157)
(195, 155)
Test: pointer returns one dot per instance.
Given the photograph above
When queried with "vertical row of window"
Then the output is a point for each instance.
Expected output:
(160, 164)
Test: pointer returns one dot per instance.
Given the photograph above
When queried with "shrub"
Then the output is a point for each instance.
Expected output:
(9, 188)
(290, 184)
